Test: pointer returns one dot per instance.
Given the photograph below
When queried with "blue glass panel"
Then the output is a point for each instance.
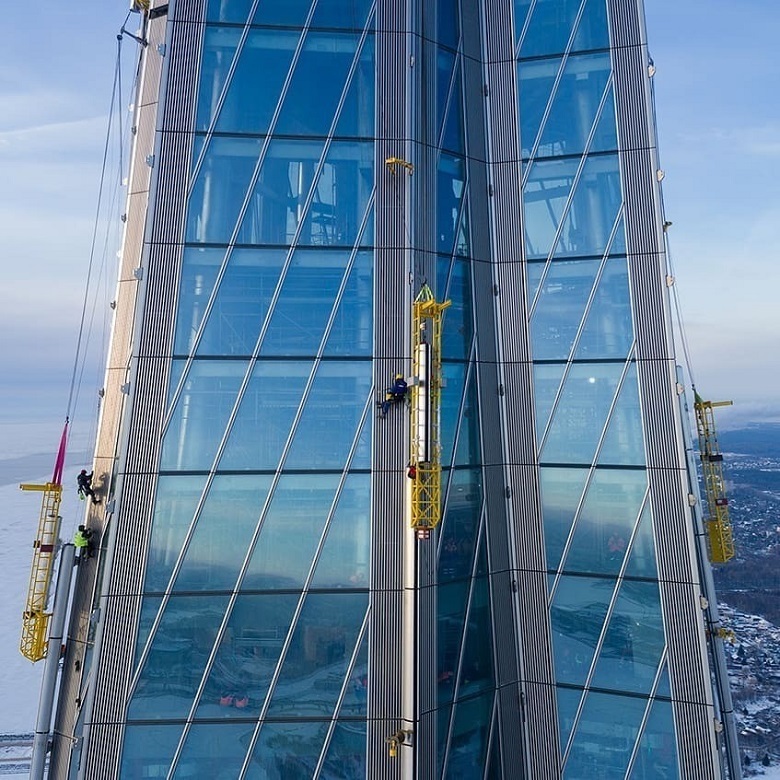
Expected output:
(467, 752)
(450, 620)
(149, 608)
(579, 418)
(361, 458)
(561, 492)
(346, 753)
(608, 516)
(291, 531)
(214, 750)
(460, 525)
(664, 685)
(476, 671)
(453, 138)
(228, 10)
(222, 534)
(305, 302)
(560, 308)
(177, 658)
(356, 695)
(318, 80)
(445, 66)
(454, 375)
(624, 443)
(288, 750)
(331, 416)
(482, 561)
(605, 137)
(241, 303)
(574, 108)
(247, 657)
(147, 751)
(265, 416)
(220, 189)
(341, 13)
(568, 702)
(256, 86)
(199, 270)
(315, 666)
(641, 560)
(359, 108)
(285, 13)
(547, 380)
(577, 615)
(458, 325)
(450, 183)
(352, 330)
(534, 273)
(609, 329)
(344, 560)
(341, 196)
(202, 412)
(468, 452)
(552, 24)
(175, 503)
(605, 737)
(657, 754)
(587, 214)
(177, 370)
(536, 81)
(634, 641)
(448, 23)
(494, 769)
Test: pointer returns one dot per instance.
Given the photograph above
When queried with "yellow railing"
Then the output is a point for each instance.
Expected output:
(35, 620)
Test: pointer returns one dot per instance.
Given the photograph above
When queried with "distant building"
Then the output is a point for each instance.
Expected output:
(263, 609)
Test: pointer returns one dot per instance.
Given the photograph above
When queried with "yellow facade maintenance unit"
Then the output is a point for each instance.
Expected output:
(425, 454)
(719, 534)
(35, 619)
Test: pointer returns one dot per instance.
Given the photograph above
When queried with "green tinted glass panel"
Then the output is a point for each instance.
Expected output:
(561, 491)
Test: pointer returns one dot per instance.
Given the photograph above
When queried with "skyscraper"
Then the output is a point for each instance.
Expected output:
(262, 607)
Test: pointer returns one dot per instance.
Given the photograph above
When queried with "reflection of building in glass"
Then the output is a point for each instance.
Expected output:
(265, 610)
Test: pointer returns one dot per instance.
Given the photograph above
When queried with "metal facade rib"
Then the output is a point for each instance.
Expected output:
(148, 390)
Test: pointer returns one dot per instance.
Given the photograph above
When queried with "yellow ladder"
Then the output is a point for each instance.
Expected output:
(425, 449)
(35, 620)
(719, 532)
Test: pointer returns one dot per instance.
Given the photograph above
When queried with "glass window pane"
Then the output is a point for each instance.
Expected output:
(318, 80)
(341, 13)
(291, 531)
(288, 750)
(624, 442)
(450, 621)
(202, 412)
(579, 418)
(214, 750)
(469, 739)
(352, 331)
(248, 654)
(177, 657)
(476, 673)
(344, 560)
(220, 189)
(547, 380)
(658, 746)
(322, 645)
(147, 751)
(174, 507)
(577, 615)
(266, 414)
(606, 521)
(312, 280)
(586, 214)
(347, 753)
(359, 108)
(604, 741)
(240, 305)
(217, 548)
(561, 491)
(331, 416)
(634, 641)
(454, 279)
(451, 178)
(552, 23)
(256, 86)
(460, 525)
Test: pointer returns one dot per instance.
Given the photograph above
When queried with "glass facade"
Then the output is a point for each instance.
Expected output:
(251, 651)
(263, 629)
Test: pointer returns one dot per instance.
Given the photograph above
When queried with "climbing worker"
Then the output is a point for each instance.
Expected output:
(84, 481)
(82, 541)
(394, 394)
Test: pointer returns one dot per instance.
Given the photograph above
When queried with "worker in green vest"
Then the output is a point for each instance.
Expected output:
(82, 541)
